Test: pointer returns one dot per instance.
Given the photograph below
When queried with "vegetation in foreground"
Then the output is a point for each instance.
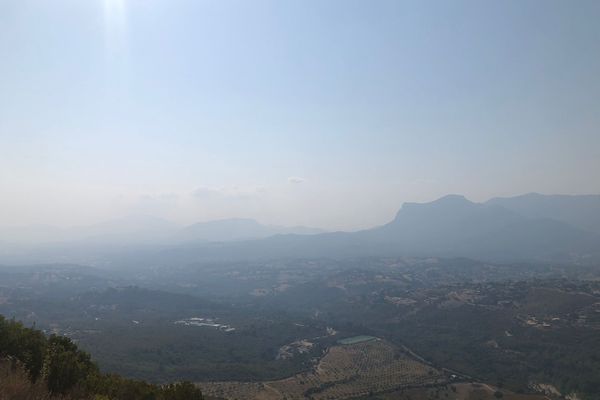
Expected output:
(34, 366)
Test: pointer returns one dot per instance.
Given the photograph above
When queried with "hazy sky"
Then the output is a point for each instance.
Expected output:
(321, 113)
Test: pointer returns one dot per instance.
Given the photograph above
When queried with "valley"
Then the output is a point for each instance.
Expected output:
(330, 329)
(299, 200)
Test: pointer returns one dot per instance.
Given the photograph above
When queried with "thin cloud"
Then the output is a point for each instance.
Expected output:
(295, 180)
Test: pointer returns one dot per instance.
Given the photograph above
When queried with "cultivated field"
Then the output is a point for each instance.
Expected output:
(346, 371)
(455, 391)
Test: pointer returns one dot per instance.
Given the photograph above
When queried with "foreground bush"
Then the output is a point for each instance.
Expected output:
(33, 366)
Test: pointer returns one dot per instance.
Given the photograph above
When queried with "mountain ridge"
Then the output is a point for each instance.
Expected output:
(582, 211)
(451, 226)
(234, 229)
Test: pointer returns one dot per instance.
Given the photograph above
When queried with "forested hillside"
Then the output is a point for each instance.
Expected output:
(34, 366)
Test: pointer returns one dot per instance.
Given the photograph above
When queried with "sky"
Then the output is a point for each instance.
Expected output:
(321, 113)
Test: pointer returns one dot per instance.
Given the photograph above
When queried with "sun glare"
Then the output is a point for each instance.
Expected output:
(114, 4)
(114, 13)
(115, 20)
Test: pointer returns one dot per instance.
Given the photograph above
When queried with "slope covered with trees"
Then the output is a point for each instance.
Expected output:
(34, 366)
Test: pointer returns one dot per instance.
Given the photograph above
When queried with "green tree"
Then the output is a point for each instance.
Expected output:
(65, 366)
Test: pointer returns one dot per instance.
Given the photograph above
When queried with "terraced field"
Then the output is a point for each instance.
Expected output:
(455, 391)
(346, 371)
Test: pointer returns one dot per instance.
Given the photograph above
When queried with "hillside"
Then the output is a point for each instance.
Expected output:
(33, 366)
(580, 211)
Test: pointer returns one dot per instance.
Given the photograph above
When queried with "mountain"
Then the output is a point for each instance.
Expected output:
(447, 221)
(501, 230)
(580, 211)
(126, 240)
(144, 229)
(236, 229)
(455, 226)
(449, 227)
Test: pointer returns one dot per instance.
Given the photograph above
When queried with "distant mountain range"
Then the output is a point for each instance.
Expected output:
(580, 211)
(529, 227)
(236, 229)
(144, 229)
(456, 226)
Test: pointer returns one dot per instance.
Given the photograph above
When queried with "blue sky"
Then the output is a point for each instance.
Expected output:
(322, 113)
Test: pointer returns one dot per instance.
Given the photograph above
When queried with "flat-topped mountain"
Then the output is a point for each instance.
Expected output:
(453, 225)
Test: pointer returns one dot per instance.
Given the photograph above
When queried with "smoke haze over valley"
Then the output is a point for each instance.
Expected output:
(299, 200)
